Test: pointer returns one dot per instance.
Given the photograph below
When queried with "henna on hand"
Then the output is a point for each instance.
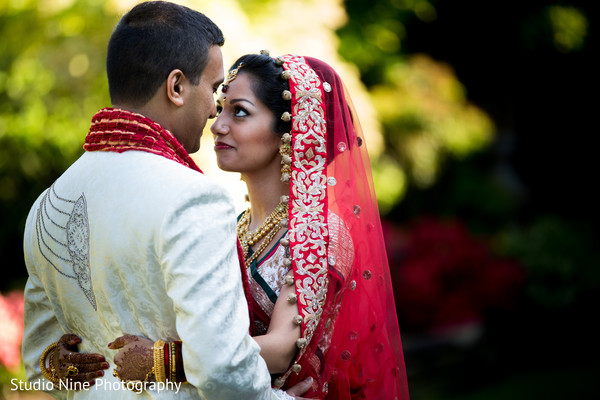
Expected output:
(135, 358)
(84, 367)
(136, 362)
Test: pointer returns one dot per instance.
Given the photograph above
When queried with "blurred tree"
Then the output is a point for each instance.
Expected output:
(52, 81)
(426, 116)
(503, 133)
(560, 260)
(529, 66)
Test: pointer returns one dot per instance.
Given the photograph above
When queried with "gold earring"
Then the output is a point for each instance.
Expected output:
(286, 157)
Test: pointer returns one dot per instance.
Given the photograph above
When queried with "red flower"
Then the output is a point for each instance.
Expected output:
(444, 276)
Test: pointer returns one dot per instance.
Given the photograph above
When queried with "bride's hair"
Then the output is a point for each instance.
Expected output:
(268, 86)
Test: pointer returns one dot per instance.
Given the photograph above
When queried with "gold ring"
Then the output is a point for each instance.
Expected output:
(72, 371)
(115, 373)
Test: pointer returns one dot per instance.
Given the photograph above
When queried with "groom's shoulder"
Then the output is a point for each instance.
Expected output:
(137, 173)
(163, 173)
(137, 165)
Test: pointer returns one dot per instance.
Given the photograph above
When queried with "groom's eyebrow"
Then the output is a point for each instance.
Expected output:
(232, 101)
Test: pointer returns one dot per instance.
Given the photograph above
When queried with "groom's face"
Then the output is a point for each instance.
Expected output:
(201, 103)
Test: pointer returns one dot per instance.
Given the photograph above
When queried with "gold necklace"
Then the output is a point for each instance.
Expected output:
(265, 232)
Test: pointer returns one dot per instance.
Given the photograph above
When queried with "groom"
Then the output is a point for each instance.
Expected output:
(133, 238)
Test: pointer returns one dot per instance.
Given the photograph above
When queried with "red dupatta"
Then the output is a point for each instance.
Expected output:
(349, 310)
(119, 130)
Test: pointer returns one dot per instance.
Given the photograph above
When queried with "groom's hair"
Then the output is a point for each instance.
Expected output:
(149, 42)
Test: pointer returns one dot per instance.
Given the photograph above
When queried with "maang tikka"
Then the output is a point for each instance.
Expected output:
(231, 77)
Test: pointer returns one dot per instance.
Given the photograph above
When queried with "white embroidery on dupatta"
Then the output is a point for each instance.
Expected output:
(308, 196)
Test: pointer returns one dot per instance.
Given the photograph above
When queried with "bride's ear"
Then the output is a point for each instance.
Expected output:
(175, 87)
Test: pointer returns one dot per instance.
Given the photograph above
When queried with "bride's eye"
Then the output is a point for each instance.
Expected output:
(240, 112)
(219, 109)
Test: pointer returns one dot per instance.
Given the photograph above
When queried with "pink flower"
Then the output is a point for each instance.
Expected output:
(11, 329)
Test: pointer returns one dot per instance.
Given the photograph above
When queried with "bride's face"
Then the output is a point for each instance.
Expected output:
(243, 132)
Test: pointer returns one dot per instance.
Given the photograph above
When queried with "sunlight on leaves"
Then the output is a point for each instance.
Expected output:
(426, 118)
(390, 182)
(79, 65)
(569, 26)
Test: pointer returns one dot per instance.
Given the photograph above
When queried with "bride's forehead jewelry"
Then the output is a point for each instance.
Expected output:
(231, 77)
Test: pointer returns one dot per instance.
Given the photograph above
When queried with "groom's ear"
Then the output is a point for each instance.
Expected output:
(175, 87)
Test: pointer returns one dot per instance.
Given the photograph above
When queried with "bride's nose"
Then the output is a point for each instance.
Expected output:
(218, 127)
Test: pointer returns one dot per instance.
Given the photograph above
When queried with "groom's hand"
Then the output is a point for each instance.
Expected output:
(135, 357)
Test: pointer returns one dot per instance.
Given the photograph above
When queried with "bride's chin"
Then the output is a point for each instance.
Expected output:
(225, 167)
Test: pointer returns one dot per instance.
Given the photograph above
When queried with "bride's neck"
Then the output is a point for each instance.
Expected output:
(264, 193)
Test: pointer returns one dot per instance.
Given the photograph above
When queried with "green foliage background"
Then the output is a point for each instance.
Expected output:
(52, 80)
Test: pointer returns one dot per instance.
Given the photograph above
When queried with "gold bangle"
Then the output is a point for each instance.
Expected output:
(48, 372)
(151, 372)
(159, 360)
(169, 365)
(173, 362)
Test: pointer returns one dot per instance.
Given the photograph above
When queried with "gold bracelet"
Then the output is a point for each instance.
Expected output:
(159, 361)
(173, 362)
(49, 373)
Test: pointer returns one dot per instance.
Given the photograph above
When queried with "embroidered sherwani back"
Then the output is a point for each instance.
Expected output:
(135, 243)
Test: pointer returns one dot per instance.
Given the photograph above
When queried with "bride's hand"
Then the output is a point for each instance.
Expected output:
(135, 357)
(300, 388)
(75, 366)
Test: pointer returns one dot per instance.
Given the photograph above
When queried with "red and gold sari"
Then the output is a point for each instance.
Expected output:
(350, 342)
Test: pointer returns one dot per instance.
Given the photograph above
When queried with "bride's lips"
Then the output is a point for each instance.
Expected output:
(222, 146)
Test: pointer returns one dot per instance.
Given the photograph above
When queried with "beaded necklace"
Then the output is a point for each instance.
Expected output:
(265, 232)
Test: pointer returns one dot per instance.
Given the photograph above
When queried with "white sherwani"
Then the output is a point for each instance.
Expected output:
(136, 243)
